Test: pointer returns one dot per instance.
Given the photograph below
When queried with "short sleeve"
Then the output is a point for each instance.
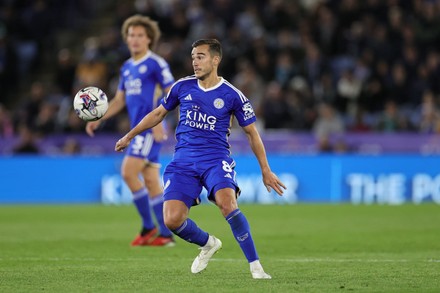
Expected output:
(163, 74)
(171, 100)
(243, 110)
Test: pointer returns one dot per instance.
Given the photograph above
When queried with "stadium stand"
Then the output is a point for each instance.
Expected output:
(373, 65)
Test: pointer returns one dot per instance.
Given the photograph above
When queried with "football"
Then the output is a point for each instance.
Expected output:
(90, 103)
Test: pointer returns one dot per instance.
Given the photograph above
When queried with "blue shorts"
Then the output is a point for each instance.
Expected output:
(145, 147)
(185, 179)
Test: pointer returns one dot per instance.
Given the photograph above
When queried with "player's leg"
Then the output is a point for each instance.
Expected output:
(223, 191)
(153, 183)
(131, 168)
(226, 200)
(176, 218)
(182, 190)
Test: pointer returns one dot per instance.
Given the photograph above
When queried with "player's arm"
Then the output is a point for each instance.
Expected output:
(270, 180)
(114, 107)
(149, 121)
(159, 131)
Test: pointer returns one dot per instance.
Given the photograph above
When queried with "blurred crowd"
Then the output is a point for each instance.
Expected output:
(323, 66)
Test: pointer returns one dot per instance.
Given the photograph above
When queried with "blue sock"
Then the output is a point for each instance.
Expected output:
(157, 205)
(242, 233)
(189, 232)
(140, 200)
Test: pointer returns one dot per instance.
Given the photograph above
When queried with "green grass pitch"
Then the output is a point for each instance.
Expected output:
(306, 248)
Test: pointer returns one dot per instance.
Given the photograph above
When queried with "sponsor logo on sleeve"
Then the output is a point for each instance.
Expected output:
(248, 111)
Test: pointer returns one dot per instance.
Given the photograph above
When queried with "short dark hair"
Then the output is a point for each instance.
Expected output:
(215, 48)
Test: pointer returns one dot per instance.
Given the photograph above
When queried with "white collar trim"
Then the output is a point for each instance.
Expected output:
(211, 88)
(145, 57)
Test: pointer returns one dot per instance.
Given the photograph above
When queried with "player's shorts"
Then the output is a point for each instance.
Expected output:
(145, 147)
(184, 180)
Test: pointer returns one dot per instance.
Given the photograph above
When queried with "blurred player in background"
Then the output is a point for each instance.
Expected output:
(207, 105)
(139, 77)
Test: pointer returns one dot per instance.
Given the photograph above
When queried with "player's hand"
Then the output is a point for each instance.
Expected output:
(271, 181)
(159, 133)
(91, 127)
(122, 144)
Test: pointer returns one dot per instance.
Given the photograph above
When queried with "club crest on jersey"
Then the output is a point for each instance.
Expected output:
(219, 103)
(143, 68)
(126, 72)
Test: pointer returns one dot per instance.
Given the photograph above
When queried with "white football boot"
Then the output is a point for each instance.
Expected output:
(201, 262)
(257, 271)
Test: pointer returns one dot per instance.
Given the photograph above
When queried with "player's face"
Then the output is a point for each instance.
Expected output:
(137, 40)
(202, 61)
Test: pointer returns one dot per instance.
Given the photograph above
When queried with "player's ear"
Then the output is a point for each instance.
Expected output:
(216, 60)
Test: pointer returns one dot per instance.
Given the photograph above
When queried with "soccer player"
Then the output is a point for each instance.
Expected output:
(139, 77)
(207, 106)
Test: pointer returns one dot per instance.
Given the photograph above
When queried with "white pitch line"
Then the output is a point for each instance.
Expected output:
(294, 260)
(333, 260)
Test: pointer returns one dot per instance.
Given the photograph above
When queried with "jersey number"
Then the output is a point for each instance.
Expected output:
(226, 167)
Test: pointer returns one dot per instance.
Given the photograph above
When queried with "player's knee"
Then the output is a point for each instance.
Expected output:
(226, 200)
(172, 224)
(173, 220)
(227, 207)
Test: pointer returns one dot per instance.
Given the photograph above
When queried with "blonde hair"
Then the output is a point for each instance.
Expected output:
(151, 28)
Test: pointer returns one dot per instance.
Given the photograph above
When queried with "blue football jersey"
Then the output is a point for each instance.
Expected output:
(205, 117)
(138, 79)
